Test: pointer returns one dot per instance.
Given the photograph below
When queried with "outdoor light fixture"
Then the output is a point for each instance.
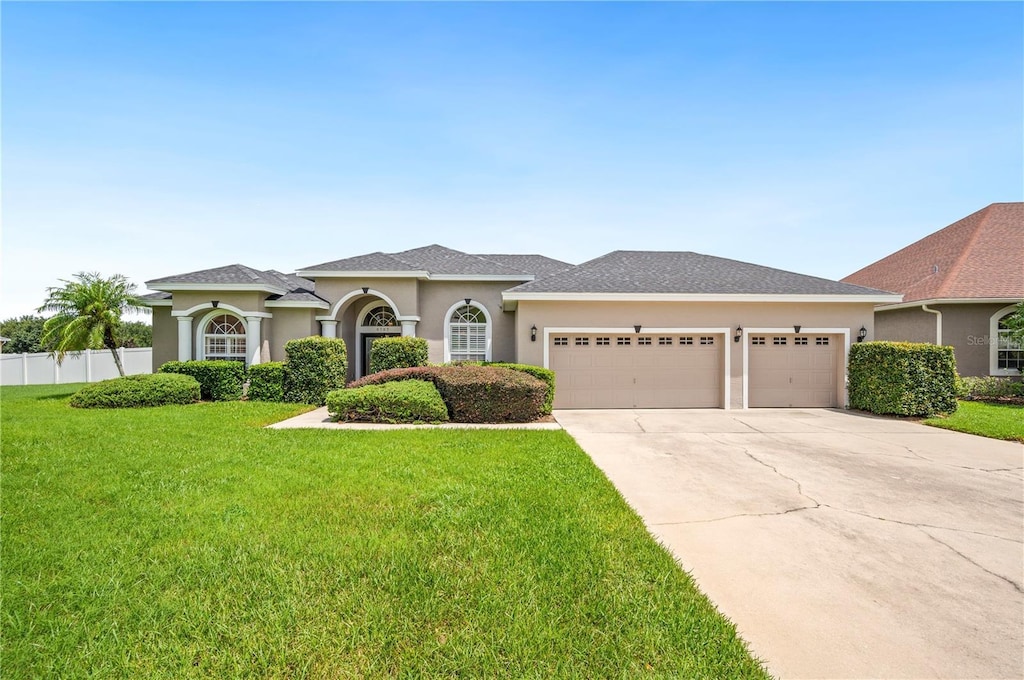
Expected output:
(861, 334)
(637, 328)
(468, 300)
(796, 329)
(366, 289)
(215, 303)
(739, 334)
(533, 334)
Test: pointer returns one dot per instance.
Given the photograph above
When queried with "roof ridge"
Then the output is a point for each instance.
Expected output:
(954, 271)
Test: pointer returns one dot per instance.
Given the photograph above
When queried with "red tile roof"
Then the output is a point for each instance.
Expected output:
(981, 256)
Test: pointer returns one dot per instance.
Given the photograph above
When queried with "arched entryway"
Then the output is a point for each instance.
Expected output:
(376, 319)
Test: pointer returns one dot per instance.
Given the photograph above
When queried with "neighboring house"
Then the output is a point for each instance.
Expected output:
(629, 329)
(958, 285)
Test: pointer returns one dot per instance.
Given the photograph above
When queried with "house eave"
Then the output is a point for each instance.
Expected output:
(166, 302)
(299, 304)
(328, 273)
(946, 301)
(225, 287)
(511, 296)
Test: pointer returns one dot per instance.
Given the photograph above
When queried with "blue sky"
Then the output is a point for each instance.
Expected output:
(156, 138)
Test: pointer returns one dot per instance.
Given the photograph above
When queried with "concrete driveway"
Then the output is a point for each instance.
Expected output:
(841, 545)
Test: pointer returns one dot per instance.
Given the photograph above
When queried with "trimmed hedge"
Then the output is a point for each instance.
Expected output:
(990, 388)
(397, 352)
(407, 401)
(132, 391)
(315, 366)
(902, 378)
(539, 372)
(219, 380)
(266, 381)
(474, 393)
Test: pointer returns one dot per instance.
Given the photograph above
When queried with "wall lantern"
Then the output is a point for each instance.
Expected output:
(215, 303)
(861, 334)
(739, 333)
(468, 300)
(637, 328)
(533, 334)
(366, 289)
(796, 329)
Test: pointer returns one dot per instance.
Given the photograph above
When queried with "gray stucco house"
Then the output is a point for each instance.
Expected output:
(958, 284)
(628, 329)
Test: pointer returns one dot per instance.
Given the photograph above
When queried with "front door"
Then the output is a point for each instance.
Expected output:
(364, 359)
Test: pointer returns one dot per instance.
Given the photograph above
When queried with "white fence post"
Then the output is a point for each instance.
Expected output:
(24, 368)
(88, 365)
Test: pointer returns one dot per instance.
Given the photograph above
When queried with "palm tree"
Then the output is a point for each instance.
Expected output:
(88, 313)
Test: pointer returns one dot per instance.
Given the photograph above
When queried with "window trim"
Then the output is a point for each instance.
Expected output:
(201, 335)
(488, 328)
(993, 343)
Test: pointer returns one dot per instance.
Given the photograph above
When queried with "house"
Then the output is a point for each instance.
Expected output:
(958, 285)
(629, 329)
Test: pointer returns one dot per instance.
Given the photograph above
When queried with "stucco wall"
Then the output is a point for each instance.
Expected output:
(401, 291)
(688, 315)
(287, 324)
(165, 337)
(245, 301)
(437, 297)
(964, 326)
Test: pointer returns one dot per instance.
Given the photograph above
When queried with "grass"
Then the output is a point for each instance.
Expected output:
(187, 541)
(998, 421)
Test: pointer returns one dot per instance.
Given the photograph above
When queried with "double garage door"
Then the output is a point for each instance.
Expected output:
(637, 371)
(606, 370)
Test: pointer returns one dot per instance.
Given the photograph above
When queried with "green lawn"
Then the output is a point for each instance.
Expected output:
(999, 421)
(187, 541)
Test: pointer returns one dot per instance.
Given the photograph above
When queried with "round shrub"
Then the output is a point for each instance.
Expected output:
(407, 401)
(158, 389)
(219, 380)
(397, 352)
(539, 372)
(266, 381)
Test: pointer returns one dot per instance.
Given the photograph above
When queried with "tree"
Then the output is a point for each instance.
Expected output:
(135, 334)
(87, 313)
(1015, 322)
(23, 334)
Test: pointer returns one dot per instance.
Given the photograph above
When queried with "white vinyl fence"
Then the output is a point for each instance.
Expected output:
(92, 365)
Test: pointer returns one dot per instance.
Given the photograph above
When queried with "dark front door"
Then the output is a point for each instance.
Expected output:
(368, 339)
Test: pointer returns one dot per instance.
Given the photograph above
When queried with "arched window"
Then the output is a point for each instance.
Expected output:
(1007, 356)
(380, 317)
(224, 338)
(468, 333)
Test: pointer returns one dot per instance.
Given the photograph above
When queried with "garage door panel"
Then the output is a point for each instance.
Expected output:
(792, 370)
(648, 372)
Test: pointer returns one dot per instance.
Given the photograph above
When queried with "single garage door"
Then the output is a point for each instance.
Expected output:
(793, 370)
(637, 371)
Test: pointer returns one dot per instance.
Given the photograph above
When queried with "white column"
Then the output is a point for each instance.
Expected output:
(253, 342)
(329, 329)
(184, 338)
(409, 329)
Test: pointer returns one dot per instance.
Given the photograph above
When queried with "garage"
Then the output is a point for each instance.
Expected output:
(632, 370)
(793, 370)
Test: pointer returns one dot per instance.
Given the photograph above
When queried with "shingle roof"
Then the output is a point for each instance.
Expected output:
(439, 260)
(155, 296)
(980, 256)
(634, 271)
(538, 265)
(229, 274)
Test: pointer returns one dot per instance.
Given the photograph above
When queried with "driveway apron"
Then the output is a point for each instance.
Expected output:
(841, 545)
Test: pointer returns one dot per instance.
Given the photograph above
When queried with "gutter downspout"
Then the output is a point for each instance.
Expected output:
(938, 323)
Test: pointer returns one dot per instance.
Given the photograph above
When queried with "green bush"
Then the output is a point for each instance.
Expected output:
(407, 401)
(990, 387)
(488, 394)
(218, 380)
(315, 366)
(902, 378)
(545, 374)
(157, 389)
(397, 352)
(474, 393)
(266, 381)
